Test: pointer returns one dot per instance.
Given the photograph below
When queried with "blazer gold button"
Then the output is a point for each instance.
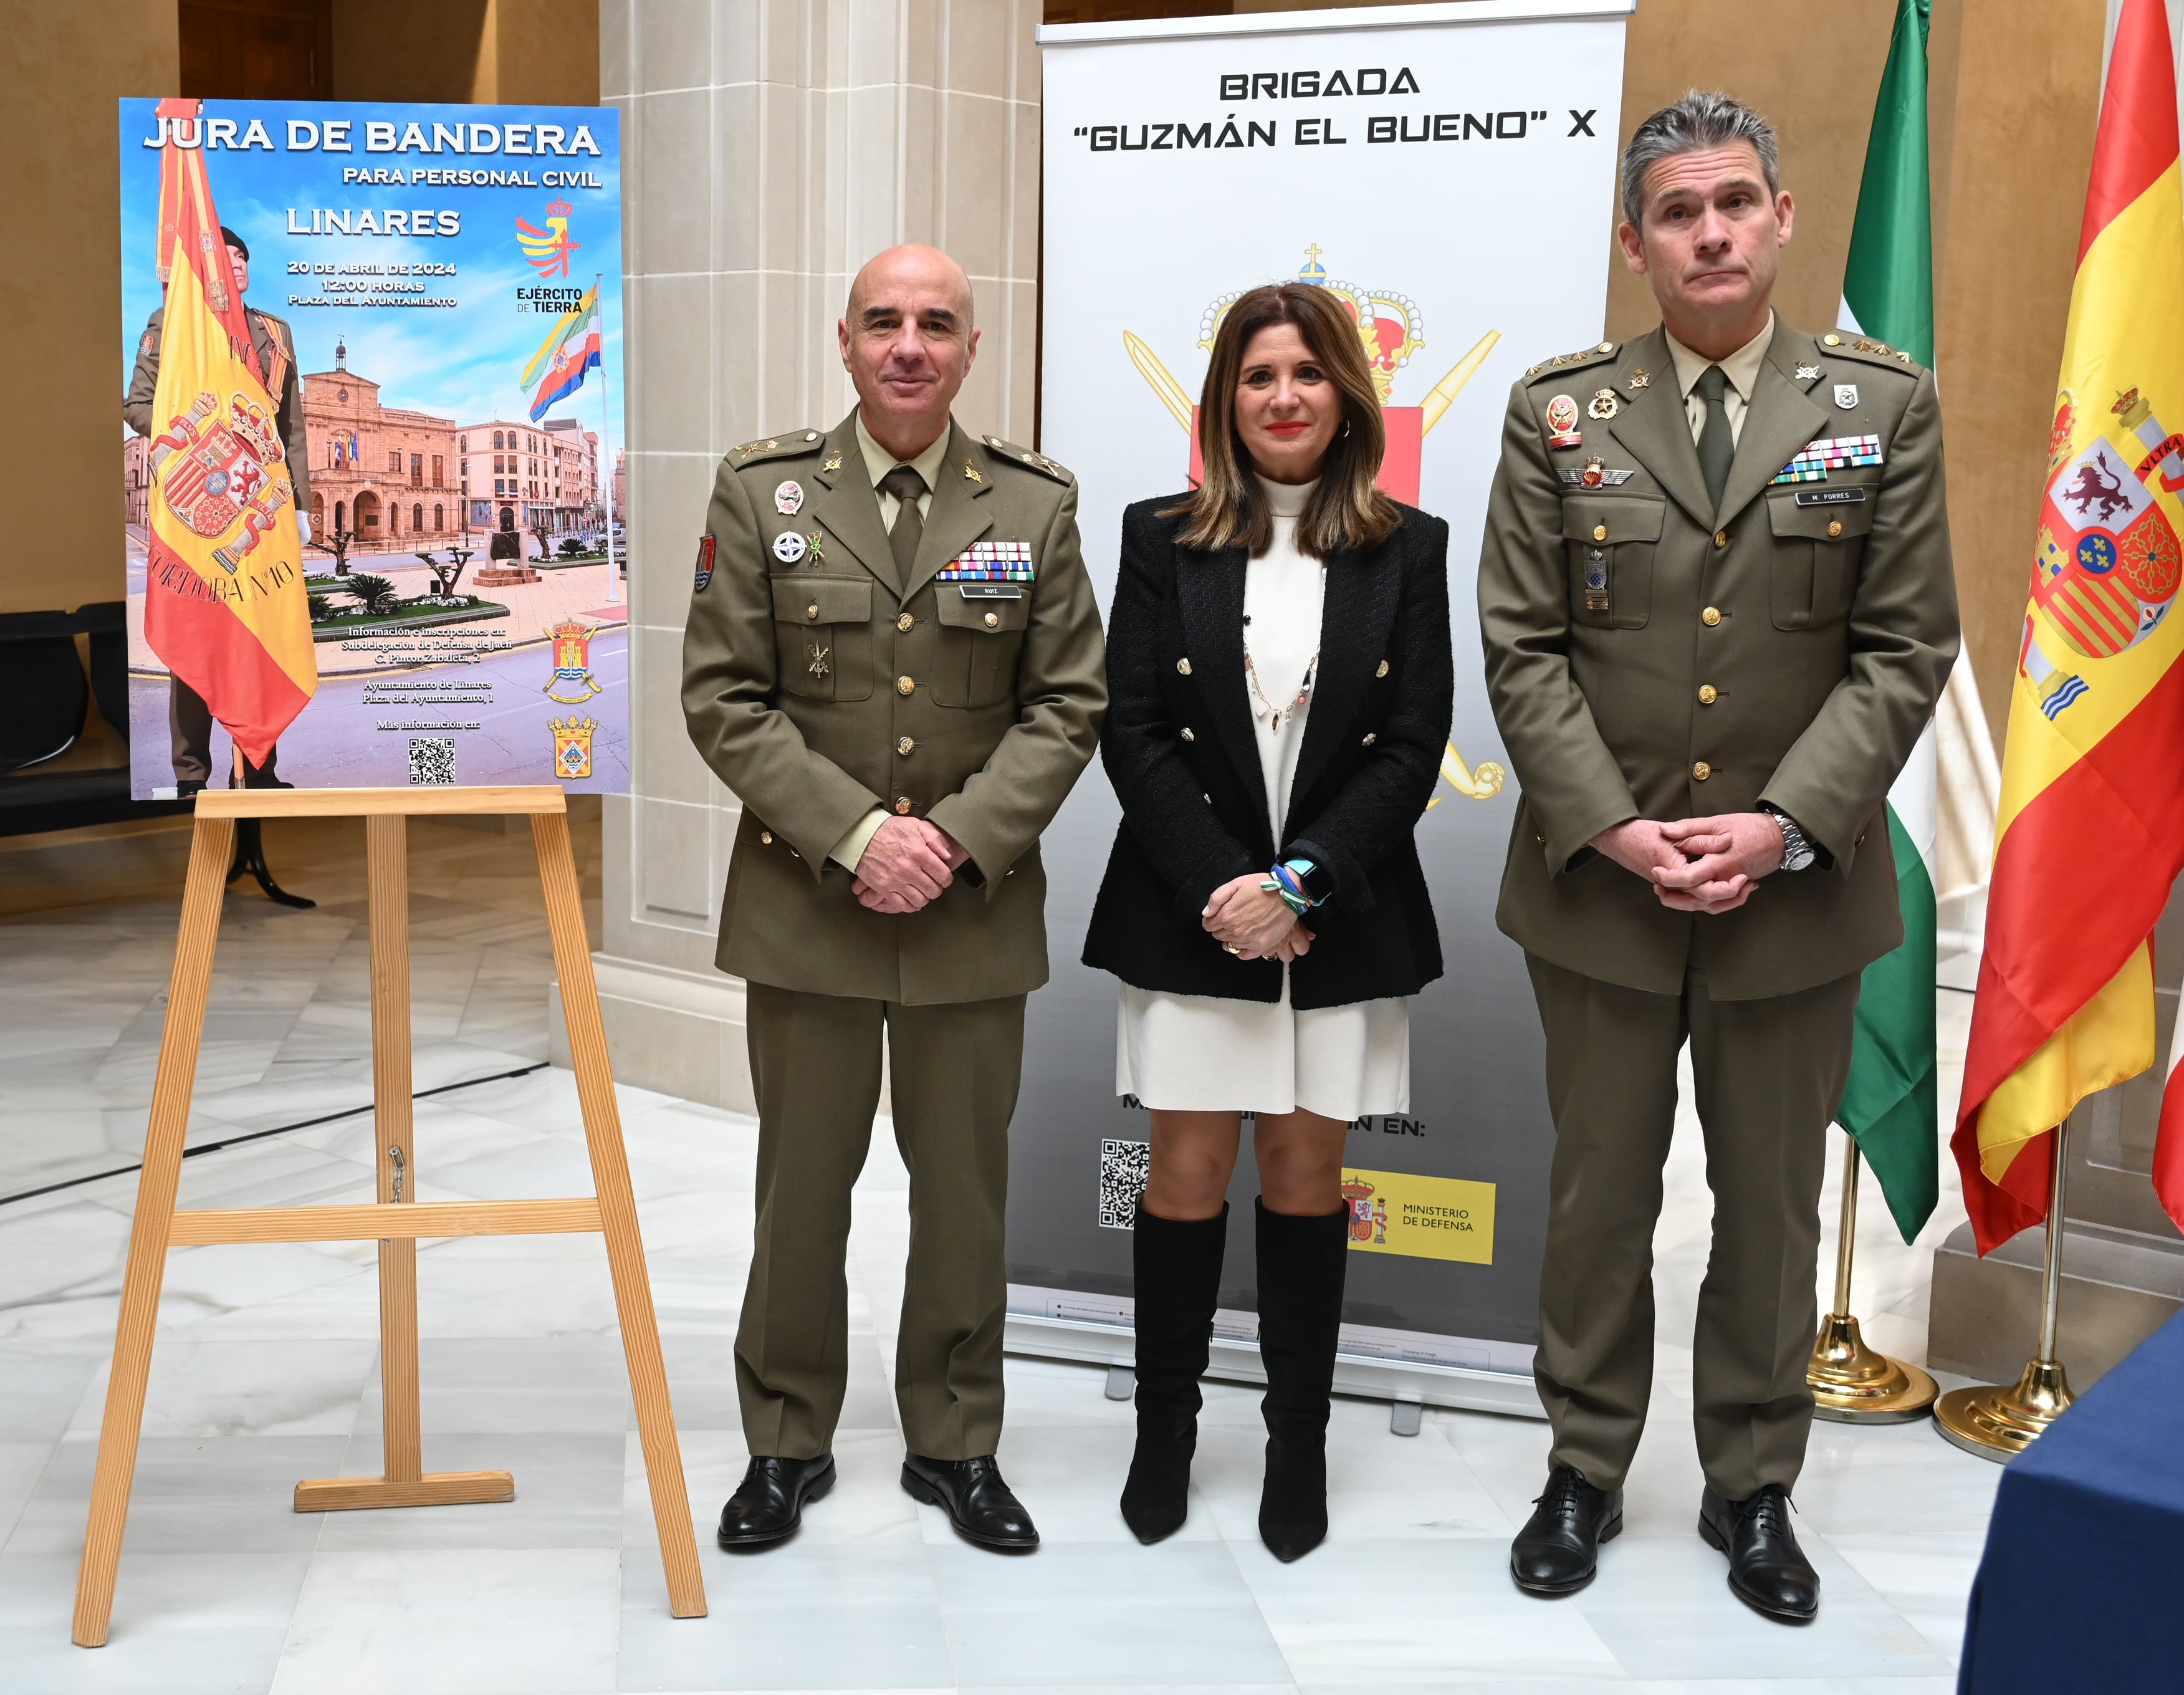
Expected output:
(1369, 739)
(766, 838)
(1183, 667)
(993, 619)
(1721, 538)
(906, 685)
(1600, 532)
(904, 621)
(1709, 695)
(902, 805)
(1188, 737)
(1701, 770)
(1834, 527)
(1711, 616)
(906, 747)
(1382, 671)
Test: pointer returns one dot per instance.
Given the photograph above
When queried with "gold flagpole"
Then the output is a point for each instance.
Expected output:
(1854, 1384)
(1999, 1422)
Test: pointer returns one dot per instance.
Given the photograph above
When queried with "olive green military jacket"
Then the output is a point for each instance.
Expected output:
(269, 334)
(817, 685)
(1648, 657)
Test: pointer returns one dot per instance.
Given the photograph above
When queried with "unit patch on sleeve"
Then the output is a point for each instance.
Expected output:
(704, 563)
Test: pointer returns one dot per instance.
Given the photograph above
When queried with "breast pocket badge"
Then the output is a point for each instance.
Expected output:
(789, 547)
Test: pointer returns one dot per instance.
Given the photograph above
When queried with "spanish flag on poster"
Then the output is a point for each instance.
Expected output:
(2089, 833)
(224, 600)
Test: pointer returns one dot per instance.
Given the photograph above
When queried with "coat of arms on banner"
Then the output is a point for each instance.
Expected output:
(211, 471)
(572, 662)
(2108, 567)
(572, 747)
(1392, 329)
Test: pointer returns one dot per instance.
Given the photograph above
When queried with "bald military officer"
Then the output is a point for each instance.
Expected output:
(189, 719)
(894, 659)
(1718, 610)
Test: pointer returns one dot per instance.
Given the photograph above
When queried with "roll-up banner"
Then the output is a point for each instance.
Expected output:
(1448, 172)
(369, 444)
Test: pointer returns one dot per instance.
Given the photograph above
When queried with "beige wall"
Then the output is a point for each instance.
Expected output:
(63, 67)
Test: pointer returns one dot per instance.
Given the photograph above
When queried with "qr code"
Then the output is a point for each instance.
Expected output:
(1123, 1168)
(432, 759)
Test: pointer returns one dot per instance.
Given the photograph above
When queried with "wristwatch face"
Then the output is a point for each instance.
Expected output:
(1797, 858)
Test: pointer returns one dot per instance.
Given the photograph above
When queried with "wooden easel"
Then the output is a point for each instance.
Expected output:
(397, 1220)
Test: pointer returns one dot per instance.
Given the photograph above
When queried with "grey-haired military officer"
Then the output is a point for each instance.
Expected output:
(1718, 608)
(894, 659)
(189, 719)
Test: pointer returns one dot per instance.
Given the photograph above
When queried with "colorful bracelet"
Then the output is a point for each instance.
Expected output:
(1286, 879)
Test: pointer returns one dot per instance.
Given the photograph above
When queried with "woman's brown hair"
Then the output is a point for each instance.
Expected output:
(1346, 509)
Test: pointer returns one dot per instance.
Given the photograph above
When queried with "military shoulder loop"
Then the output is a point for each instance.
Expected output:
(1583, 356)
(1843, 344)
(1010, 453)
(776, 447)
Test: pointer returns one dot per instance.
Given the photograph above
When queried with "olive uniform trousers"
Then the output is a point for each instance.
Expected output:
(1769, 1075)
(815, 1070)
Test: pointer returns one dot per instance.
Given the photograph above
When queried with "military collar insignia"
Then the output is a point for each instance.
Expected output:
(1808, 373)
(832, 463)
(1640, 378)
(971, 473)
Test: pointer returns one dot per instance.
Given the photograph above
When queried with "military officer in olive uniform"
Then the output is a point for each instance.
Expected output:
(1718, 608)
(189, 719)
(894, 659)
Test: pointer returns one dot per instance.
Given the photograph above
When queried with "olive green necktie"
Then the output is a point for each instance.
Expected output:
(905, 485)
(1717, 440)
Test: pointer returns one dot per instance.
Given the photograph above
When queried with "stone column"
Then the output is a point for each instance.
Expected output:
(770, 147)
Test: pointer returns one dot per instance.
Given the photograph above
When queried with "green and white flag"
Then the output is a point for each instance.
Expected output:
(1891, 1103)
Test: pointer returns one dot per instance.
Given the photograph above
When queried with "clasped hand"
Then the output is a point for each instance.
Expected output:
(1255, 923)
(906, 865)
(1698, 865)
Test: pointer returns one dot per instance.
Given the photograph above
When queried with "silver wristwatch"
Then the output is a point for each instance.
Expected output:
(1797, 852)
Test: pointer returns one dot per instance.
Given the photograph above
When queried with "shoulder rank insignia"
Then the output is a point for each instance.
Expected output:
(797, 441)
(1037, 461)
(1583, 355)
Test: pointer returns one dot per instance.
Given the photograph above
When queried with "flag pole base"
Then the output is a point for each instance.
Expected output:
(1854, 1384)
(1999, 1422)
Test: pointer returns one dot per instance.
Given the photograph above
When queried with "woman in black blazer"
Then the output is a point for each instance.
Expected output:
(1280, 694)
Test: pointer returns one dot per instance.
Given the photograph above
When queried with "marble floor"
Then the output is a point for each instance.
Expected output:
(266, 1372)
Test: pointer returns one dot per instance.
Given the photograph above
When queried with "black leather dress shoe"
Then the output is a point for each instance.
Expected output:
(1559, 1550)
(1768, 1571)
(977, 1502)
(768, 1504)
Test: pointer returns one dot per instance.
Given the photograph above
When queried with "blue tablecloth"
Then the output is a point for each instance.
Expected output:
(2081, 1585)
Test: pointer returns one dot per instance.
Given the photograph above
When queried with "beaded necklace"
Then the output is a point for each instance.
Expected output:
(1264, 707)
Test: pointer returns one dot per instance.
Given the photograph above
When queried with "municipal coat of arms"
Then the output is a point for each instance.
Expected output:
(572, 746)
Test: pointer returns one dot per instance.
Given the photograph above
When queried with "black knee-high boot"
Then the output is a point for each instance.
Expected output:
(1302, 1262)
(1177, 1276)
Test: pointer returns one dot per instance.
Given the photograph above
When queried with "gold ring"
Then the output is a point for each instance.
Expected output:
(1229, 947)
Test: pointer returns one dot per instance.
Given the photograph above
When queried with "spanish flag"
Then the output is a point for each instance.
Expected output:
(224, 600)
(2090, 832)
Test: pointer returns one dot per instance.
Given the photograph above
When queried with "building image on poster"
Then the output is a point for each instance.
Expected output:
(371, 445)
(1448, 172)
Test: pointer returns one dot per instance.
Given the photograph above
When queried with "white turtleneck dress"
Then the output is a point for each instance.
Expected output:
(1194, 1053)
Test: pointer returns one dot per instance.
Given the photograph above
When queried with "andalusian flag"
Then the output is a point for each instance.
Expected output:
(2090, 832)
(224, 600)
(571, 348)
(1891, 1103)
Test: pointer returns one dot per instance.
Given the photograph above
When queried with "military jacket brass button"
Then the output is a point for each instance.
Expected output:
(1701, 770)
(1831, 339)
(1600, 532)
(812, 610)
(906, 747)
(993, 619)
(766, 838)
(1183, 667)
(1711, 616)
(1721, 538)
(1369, 739)
(1188, 737)
(906, 685)
(1382, 671)
(1860, 842)
(902, 805)
(904, 621)
(1709, 695)
(1834, 527)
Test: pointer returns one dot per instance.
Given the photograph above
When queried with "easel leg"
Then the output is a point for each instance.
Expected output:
(640, 1334)
(212, 843)
(387, 861)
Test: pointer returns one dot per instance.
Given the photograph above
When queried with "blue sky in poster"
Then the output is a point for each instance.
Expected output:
(459, 362)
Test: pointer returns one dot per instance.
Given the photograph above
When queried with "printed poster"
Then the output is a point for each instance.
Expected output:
(381, 543)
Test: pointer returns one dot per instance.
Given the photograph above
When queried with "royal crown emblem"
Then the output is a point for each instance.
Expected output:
(572, 747)
(549, 249)
(1389, 324)
(572, 663)
(1368, 1219)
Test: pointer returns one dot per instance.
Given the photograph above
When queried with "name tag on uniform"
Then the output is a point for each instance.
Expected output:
(982, 590)
(1831, 497)
(1815, 460)
(990, 562)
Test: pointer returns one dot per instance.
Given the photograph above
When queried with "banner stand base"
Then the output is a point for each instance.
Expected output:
(1409, 1386)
